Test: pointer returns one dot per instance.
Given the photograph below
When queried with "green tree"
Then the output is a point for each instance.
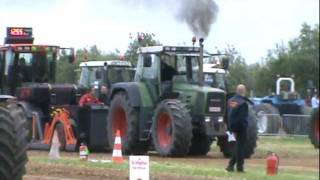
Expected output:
(65, 71)
(68, 73)
(142, 40)
(238, 69)
(299, 58)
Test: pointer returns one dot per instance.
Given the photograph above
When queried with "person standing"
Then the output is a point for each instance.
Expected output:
(238, 111)
(89, 98)
(315, 101)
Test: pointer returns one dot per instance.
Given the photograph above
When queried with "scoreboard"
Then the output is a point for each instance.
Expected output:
(19, 35)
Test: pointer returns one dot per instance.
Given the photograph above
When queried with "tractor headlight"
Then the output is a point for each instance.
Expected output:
(207, 119)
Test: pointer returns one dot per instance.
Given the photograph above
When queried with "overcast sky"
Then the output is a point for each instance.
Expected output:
(252, 26)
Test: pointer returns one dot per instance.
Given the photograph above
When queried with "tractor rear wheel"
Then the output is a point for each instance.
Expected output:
(200, 144)
(123, 117)
(251, 141)
(172, 128)
(268, 118)
(13, 142)
(252, 134)
(314, 128)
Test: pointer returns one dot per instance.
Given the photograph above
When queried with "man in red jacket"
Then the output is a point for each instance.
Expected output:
(89, 98)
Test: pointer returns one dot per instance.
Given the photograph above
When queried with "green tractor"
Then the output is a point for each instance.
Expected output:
(167, 106)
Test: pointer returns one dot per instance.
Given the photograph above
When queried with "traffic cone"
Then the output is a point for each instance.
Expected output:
(54, 153)
(117, 153)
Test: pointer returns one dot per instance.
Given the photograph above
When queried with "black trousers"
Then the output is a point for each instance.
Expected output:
(238, 150)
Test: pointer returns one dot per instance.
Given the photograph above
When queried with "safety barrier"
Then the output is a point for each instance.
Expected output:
(286, 124)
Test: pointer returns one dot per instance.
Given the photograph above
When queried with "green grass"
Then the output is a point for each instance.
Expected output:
(253, 173)
(289, 147)
(286, 147)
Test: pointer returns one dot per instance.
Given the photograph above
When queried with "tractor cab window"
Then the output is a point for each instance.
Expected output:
(215, 80)
(168, 67)
(188, 66)
(88, 76)
(32, 67)
(147, 67)
(9, 61)
(119, 74)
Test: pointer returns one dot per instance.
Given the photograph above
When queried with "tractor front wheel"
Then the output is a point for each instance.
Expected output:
(124, 118)
(172, 128)
(200, 144)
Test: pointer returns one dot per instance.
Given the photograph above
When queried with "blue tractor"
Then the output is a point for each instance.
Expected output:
(285, 108)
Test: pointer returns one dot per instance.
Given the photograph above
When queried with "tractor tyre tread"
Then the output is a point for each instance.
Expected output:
(200, 145)
(13, 142)
(181, 124)
(132, 145)
(251, 141)
(314, 122)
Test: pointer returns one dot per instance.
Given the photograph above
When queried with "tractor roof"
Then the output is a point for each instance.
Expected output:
(26, 47)
(103, 63)
(171, 49)
(212, 68)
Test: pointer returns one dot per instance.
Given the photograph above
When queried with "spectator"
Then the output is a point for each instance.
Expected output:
(315, 101)
(89, 98)
(238, 123)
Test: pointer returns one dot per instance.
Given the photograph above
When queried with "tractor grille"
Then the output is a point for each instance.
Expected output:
(216, 103)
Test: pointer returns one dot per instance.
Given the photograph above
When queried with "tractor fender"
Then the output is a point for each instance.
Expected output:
(6, 98)
(132, 91)
(27, 108)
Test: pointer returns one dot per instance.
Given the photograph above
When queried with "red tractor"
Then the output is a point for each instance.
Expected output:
(28, 72)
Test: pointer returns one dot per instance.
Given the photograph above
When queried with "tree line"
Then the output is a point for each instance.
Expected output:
(299, 58)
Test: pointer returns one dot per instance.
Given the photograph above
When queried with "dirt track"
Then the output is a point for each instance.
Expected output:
(39, 171)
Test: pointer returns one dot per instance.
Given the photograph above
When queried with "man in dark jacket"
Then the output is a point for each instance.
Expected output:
(238, 123)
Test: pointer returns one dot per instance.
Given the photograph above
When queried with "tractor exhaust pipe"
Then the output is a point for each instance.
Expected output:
(200, 74)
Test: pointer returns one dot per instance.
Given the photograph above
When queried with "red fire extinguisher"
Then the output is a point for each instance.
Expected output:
(272, 164)
(84, 152)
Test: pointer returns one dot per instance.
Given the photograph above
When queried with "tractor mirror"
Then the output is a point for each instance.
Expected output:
(225, 62)
(71, 56)
(68, 53)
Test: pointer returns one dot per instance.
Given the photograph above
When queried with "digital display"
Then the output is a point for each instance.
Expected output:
(19, 35)
(19, 32)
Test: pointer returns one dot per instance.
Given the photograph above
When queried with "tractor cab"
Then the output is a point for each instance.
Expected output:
(285, 88)
(214, 71)
(177, 72)
(163, 66)
(105, 73)
(102, 74)
(22, 62)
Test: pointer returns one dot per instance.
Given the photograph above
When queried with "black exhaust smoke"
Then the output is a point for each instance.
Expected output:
(199, 15)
